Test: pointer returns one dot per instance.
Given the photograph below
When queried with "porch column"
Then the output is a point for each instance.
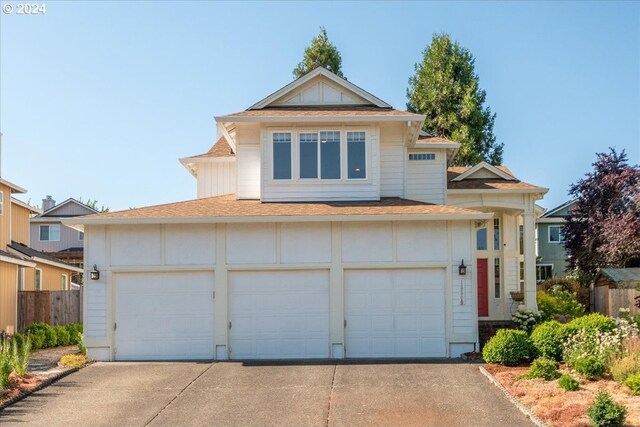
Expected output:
(529, 239)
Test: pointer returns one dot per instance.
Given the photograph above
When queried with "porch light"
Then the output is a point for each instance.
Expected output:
(462, 269)
(94, 274)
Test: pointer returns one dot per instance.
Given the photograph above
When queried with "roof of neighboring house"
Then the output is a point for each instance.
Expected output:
(15, 259)
(552, 212)
(220, 149)
(319, 111)
(49, 211)
(618, 276)
(35, 255)
(485, 183)
(12, 186)
(227, 207)
(25, 205)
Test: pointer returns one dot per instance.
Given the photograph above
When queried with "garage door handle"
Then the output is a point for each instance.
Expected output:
(229, 325)
(115, 326)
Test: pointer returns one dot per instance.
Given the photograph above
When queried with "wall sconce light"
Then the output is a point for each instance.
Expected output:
(94, 274)
(462, 269)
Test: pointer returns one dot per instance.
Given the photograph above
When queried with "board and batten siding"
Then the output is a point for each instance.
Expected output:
(216, 178)
(333, 247)
(8, 297)
(71, 209)
(20, 224)
(426, 179)
(392, 161)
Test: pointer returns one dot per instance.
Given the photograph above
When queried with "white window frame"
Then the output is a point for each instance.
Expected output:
(560, 234)
(50, 239)
(37, 283)
(64, 282)
(81, 236)
(538, 279)
(421, 157)
(292, 154)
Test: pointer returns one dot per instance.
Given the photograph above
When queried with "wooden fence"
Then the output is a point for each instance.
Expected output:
(52, 307)
(609, 300)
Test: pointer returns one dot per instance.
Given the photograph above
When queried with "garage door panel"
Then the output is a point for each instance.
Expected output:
(288, 319)
(401, 315)
(164, 316)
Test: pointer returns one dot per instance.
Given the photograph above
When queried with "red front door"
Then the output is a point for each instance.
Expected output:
(483, 288)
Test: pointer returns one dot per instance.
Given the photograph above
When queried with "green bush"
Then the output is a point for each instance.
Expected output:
(548, 338)
(605, 412)
(525, 319)
(62, 335)
(568, 383)
(80, 342)
(592, 323)
(75, 331)
(508, 347)
(558, 302)
(50, 338)
(591, 367)
(20, 352)
(6, 362)
(544, 368)
(633, 382)
(37, 339)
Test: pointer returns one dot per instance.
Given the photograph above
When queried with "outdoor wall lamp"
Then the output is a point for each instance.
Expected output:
(462, 269)
(94, 274)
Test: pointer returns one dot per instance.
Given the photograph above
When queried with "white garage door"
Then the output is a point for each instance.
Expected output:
(166, 316)
(395, 313)
(279, 315)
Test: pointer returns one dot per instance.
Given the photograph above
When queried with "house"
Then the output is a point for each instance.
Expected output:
(616, 288)
(552, 256)
(326, 225)
(21, 267)
(49, 235)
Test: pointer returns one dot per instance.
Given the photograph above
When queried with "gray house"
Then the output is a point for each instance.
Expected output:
(48, 234)
(552, 257)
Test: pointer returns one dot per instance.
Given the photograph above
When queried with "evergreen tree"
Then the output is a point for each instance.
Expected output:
(446, 89)
(320, 53)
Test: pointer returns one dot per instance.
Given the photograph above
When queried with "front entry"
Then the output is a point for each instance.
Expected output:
(483, 288)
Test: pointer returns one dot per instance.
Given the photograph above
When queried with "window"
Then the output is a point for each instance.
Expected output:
(496, 269)
(422, 156)
(308, 155)
(555, 234)
(21, 278)
(1, 201)
(81, 235)
(38, 280)
(63, 282)
(330, 155)
(356, 155)
(544, 272)
(496, 234)
(521, 237)
(521, 276)
(50, 233)
(282, 155)
(481, 237)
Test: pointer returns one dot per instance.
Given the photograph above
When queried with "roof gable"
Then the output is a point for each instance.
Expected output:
(319, 87)
(484, 170)
(560, 211)
(86, 210)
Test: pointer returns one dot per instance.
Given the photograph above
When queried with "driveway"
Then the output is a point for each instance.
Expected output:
(236, 394)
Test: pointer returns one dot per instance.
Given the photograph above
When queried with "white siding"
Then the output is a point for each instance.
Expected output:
(95, 292)
(190, 244)
(426, 179)
(367, 241)
(463, 287)
(135, 245)
(392, 160)
(248, 171)
(216, 178)
(320, 91)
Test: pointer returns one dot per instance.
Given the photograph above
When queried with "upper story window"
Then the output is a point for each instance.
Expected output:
(496, 234)
(282, 155)
(356, 155)
(330, 155)
(50, 233)
(308, 155)
(555, 234)
(422, 156)
(81, 235)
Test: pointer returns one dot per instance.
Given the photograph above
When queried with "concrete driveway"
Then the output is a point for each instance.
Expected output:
(236, 394)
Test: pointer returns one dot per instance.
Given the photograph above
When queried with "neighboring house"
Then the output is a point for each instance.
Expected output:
(21, 267)
(326, 225)
(49, 235)
(616, 288)
(552, 256)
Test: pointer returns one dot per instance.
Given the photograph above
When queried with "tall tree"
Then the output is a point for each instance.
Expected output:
(603, 228)
(446, 89)
(320, 53)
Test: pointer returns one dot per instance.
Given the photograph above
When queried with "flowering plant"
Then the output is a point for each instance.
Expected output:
(601, 344)
(525, 319)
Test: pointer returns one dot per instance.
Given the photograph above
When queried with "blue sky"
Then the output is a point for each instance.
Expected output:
(99, 99)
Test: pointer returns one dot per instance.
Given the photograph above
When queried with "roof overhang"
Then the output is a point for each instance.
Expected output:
(39, 260)
(552, 220)
(16, 261)
(12, 186)
(26, 206)
(190, 162)
(320, 119)
(484, 165)
(539, 190)
(559, 208)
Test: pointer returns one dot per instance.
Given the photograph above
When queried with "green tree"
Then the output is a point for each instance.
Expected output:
(320, 53)
(446, 89)
(93, 204)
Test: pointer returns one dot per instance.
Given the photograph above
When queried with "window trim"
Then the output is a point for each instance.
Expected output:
(64, 278)
(559, 234)
(37, 285)
(49, 225)
(543, 265)
(292, 153)
(81, 234)
(428, 157)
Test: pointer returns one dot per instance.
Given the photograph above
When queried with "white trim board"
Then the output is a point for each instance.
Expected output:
(484, 165)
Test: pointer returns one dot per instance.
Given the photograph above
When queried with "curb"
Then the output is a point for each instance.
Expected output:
(534, 418)
(39, 387)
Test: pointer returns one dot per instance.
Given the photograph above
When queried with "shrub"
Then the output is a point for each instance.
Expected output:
(591, 367)
(627, 362)
(571, 284)
(549, 338)
(605, 412)
(48, 333)
(6, 365)
(74, 360)
(592, 323)
(75, 330)
(544, 368)
(603, 345)
(62, 335)
(525, 319)
(80, 342)
(568, 383)
(20, 351)
(508, 347)
(633, 382)
(558, 302)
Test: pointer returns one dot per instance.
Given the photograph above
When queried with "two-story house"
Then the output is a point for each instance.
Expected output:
(49, 235)
(552, 256)
(326, 225)
(21, 267)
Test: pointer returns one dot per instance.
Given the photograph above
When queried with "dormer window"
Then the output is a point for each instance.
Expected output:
(282, 155)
